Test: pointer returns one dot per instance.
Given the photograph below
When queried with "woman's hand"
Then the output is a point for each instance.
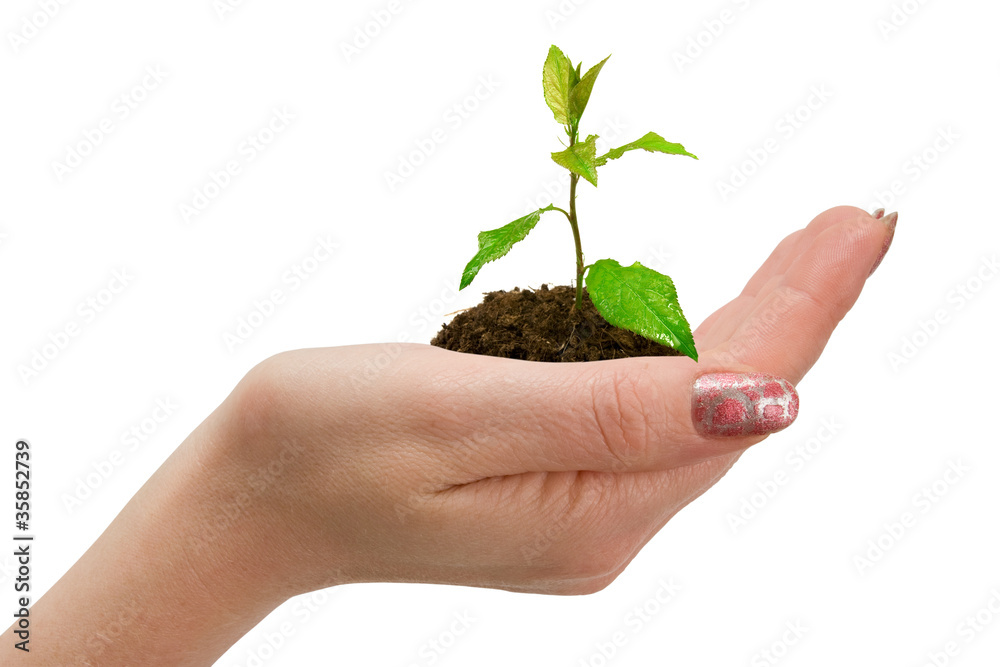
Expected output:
(411, 463)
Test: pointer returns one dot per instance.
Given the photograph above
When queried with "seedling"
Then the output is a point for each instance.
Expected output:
(633, 297)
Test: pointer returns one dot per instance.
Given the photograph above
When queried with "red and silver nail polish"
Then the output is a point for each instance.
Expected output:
(742, 404)
(890, 223)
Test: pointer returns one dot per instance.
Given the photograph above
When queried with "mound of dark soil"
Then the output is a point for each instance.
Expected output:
(542, 325)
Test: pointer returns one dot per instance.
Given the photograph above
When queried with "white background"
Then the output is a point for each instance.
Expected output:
(900, 423)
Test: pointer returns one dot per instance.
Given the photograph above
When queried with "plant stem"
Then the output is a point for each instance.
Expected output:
(573, 180)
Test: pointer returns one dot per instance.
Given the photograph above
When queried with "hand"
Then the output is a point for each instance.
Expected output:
(461, 469)
(442, 467)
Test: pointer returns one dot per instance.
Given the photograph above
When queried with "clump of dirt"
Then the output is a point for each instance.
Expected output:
(542, 325)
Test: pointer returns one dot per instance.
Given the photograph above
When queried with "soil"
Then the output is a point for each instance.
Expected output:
(542, 325)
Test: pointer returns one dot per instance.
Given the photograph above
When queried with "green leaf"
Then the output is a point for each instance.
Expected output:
(642, 300)
(558, 77)
(580, 158)
(580, 95)
(496, 243)
(652, 142)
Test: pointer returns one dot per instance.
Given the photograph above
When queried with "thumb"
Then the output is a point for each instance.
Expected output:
(657, 414)
(625, 415)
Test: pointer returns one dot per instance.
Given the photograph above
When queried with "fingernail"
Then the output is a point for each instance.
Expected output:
(890, 222)
(878, 214)
(741, 404)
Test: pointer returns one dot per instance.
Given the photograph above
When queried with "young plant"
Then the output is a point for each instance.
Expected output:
(633, 297)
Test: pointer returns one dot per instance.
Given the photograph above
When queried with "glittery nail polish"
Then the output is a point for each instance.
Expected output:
(878, 214)
(890, 222)
(742, 404)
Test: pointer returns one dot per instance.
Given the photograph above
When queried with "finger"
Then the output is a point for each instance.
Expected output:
(793, 318)
(794, 244)
(721, 324)
(486, 416)
(709, 331)
(575, 531)
(640, 420)
(489, 416)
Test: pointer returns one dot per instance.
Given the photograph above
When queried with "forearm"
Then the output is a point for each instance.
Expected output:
(171, 581)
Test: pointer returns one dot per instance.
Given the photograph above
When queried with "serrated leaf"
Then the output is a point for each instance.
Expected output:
(558, 76)
(580, 158)
(651, 142)
(496, 243)
(580, 95)
(642, 300)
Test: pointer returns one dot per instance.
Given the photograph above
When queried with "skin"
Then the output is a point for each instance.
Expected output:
(441, 468)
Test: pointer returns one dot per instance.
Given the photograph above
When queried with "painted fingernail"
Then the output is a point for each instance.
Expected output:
(741, 404)
(878, 214)
(890, 223)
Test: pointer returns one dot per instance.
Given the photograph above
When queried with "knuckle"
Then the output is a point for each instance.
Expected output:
(629, 413)
(261, 398)
(800, 302)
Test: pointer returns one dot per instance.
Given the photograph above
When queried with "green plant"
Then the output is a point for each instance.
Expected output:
(633, 297)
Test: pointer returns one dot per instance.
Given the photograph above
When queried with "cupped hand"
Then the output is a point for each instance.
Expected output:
(413, 463)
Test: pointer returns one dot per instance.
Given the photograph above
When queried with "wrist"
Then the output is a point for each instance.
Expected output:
(277, 473)
(167, 582)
